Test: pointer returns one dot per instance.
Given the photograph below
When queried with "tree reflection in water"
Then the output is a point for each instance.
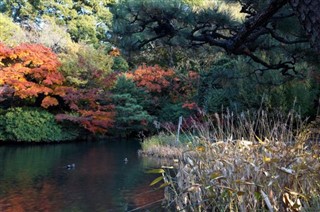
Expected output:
(34, 178)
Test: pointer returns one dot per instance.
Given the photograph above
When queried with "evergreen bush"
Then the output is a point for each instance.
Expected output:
(131, 105)
(32, 125)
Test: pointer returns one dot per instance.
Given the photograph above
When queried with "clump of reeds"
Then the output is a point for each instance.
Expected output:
(249, 162)
(164, 146)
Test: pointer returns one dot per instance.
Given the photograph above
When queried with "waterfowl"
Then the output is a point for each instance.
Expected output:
(71, 166)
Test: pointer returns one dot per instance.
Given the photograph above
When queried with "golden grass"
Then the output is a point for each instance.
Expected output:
(162, 152)
(247, 176)
(227, 167)
(163, 146)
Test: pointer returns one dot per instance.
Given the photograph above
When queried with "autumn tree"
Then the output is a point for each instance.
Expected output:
(29, 75)
(171, 92)
(88, 67)
(31, 71)
(89, 109)
(153, 78)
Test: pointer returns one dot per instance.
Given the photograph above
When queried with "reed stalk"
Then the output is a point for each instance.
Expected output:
(246, 162)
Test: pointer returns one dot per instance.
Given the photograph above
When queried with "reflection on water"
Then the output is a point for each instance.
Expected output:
(35, 178)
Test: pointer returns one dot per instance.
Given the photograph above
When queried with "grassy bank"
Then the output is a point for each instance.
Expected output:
(249, 162)
(165, 146)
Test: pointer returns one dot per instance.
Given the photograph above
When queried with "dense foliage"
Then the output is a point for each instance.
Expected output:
(228, 84)
(30, 72)
(85, 20)
(29, 76)
(243, 75)
(132, 105)
(125, 66)
(32, 125)
(87, 67)
(11, 33)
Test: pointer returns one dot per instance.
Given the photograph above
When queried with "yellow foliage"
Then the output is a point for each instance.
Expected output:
(10, 33)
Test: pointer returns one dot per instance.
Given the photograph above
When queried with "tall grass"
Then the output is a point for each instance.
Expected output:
(165, 145)
(247, 162)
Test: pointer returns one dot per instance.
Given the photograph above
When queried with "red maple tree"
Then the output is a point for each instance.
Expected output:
(153, 78)
(29, 72)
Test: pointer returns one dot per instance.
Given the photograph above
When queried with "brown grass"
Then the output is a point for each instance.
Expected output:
(162, 152)
(227, 167)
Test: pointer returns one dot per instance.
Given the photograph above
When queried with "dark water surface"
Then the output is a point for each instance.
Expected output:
(34, 178)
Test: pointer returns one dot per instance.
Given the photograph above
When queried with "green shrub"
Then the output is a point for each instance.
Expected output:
(120, 64)
(131, 105)
(32, 125)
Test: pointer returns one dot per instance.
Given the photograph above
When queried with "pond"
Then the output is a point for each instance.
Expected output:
(36, 178)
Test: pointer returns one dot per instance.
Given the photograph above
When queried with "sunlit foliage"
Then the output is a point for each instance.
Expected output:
(11, 33)
(31, 70)
(85, 20)
(29, 75)
(86, 66)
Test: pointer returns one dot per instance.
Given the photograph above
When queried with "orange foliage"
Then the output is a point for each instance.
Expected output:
(190, 106)
(180, 87)
(92, 116)
(49, 101)
(153, 78)
(30, 71)
(115, 52)
(98, 122)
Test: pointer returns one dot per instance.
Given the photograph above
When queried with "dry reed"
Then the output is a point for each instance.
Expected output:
(249, 162)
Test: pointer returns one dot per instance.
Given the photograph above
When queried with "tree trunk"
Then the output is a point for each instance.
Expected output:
(308, 12)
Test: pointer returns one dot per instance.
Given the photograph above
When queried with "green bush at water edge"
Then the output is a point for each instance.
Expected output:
(32, 125)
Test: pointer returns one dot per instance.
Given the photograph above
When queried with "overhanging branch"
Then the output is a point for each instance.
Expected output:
(255, 23)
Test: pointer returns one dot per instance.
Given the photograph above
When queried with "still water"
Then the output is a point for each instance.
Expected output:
(35, 178)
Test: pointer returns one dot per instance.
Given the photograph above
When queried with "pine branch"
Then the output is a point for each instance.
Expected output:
(284, 40)
(259, 20)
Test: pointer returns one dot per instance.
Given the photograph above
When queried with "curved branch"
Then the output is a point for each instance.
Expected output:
(283, 40)
(285, 67)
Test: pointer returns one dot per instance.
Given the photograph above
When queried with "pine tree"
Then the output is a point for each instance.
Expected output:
(255, 29)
